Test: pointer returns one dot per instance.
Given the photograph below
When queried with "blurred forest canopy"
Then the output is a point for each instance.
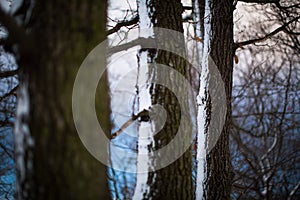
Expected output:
(254, 43)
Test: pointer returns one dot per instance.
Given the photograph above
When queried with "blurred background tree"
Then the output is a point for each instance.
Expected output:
(50, 39)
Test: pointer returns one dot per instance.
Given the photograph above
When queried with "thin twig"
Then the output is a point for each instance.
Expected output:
(121, 24)
(143, 113)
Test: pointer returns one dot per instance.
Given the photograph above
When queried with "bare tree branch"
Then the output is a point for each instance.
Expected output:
(139, 41)
(187, 7)
(268, 36)
(292, 193)
(6, 74)
(290, 32)
(121, 24)
(144, 114)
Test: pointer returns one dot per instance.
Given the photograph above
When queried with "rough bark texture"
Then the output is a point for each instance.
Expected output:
(219, 169)
(175, 180)
(64, 33)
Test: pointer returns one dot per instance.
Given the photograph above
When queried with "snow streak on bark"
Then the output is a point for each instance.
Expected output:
(202, 99)
(23, 140)
(144, 100)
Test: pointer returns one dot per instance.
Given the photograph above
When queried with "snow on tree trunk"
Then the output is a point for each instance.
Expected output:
(145, 137)
(202, 98)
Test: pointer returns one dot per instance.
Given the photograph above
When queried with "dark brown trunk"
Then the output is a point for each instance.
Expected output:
(174, 181)
(65, 32)
(219, 170)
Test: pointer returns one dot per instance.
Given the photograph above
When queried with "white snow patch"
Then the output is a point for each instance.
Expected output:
(145, 133)
(202, 101)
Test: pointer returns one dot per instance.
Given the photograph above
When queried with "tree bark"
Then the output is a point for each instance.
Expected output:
(64, 33)
(219, 169)
(174, 181)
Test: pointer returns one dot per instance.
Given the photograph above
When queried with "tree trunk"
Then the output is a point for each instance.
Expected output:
(64, 33)
(219, 169)
(174, 181)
